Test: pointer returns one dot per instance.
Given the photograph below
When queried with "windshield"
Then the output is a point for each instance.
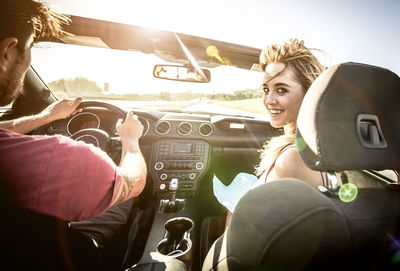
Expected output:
(125, 78)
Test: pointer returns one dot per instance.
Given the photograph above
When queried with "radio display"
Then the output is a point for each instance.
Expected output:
(183, 147)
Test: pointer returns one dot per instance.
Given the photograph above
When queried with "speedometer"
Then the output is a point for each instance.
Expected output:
(81, 121)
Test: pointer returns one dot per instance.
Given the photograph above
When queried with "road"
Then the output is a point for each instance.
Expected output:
(195, 105)
(218, 109)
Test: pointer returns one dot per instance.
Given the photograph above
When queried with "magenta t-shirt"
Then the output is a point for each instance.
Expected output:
(55, 175)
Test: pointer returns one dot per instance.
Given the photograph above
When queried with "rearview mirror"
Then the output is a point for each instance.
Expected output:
(181, 73)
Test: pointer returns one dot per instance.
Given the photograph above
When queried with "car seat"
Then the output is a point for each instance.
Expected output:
(33, 241)
(349, 120)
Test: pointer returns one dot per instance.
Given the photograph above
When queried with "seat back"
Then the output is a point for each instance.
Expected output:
(32, 241)
(299, 228)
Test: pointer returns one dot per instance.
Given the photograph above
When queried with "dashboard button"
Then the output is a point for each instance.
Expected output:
(163, 176)
(158, 165)
(199, 165)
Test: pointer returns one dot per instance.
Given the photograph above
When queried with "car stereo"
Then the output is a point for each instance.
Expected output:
(183, 159)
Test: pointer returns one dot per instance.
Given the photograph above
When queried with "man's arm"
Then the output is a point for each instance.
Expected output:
(57, 110)
(132, 167)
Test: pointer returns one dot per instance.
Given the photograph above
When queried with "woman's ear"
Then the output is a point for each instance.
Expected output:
(8, 51)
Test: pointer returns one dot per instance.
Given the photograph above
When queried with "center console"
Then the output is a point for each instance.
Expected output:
(173, 240)
(176, 166)
(183, 159)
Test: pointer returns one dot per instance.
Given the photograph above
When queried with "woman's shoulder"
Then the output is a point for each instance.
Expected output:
(288, 161)
(290, 165)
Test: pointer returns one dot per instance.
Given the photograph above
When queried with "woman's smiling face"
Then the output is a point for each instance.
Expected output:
(283, 94)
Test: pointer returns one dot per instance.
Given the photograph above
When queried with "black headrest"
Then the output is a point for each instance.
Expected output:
(350, 119)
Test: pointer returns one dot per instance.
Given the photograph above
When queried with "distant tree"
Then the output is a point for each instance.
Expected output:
(58, 86)
(165, 96)
(76, 86)
(248, 94)
(237, 95)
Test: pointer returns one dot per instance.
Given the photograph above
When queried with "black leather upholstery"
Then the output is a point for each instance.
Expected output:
(211, 228)
(267, 233)
(32, 241)
(288, 225)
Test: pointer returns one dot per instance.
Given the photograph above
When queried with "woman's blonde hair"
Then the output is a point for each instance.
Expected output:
(306, 68)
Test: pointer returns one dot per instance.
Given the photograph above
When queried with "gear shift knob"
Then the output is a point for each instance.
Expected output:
(173, 185)
(172, 204)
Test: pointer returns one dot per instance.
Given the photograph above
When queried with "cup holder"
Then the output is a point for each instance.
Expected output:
(176, 241)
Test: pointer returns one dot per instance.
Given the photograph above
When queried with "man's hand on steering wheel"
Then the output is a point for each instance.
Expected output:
(62, 109)
(130, 130)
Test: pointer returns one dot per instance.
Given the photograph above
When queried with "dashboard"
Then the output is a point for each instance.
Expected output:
(183, 159)
(180, 146)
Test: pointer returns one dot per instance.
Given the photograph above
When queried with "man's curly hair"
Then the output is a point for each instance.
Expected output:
(21, 18)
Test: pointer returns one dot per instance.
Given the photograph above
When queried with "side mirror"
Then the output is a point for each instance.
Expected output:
(181, 73)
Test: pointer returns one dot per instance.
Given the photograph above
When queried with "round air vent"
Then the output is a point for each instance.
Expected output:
(184, 128)
(162, 127)
(205, 129)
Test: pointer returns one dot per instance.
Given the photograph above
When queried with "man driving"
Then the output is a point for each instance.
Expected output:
(55, 175)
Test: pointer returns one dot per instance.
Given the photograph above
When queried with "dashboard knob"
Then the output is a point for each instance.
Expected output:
(163, 177)
(159, 166)
(192, 176)
(199, 165)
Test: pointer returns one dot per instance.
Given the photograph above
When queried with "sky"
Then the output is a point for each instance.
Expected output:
(364, 31)
(357, 31)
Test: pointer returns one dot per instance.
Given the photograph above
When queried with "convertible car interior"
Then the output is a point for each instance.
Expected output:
(295, 227)
(347, 127)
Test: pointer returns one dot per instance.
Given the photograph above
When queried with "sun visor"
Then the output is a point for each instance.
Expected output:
(84, 41)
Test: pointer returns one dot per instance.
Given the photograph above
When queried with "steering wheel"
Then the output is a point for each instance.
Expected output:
(97, 137)
(110, 144)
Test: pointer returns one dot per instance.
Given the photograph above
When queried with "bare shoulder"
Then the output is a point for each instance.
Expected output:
(289, 162)
(290, 165)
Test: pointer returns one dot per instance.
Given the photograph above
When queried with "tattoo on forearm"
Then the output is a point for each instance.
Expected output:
(123, 190)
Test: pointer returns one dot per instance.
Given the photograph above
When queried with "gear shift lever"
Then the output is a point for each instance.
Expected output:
(173, 187)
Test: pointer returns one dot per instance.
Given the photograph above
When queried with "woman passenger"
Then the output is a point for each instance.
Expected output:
(289, 70)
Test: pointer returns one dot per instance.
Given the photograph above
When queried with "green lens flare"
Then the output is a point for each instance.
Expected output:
(300, 144)
(396, 257)
(348, 192)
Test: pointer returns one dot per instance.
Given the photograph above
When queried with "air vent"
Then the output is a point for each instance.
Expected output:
(205, 129)
(162, 127)
(184, 128)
